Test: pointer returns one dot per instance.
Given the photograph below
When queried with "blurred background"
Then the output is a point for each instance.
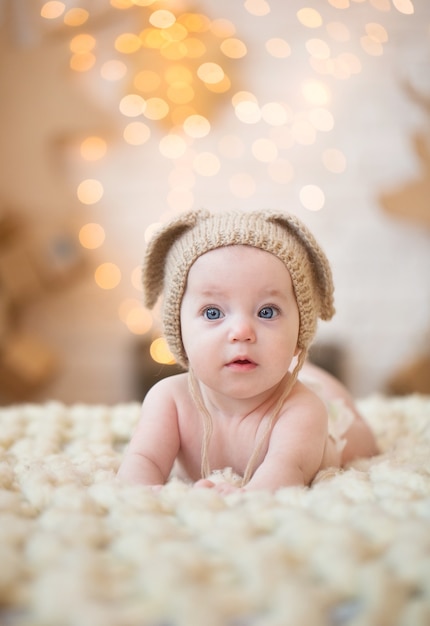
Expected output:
(115, 115)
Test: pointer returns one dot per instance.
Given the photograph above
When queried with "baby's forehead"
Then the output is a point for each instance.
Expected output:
(250, 261)
(241, 252)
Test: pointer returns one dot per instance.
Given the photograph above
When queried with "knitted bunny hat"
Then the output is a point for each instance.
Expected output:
(177, 245)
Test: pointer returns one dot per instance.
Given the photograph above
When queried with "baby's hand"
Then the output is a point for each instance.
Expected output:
(156, 488)
(204, 483)
(223, 488)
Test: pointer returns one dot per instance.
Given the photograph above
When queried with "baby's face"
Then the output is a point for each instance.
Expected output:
(239, 320)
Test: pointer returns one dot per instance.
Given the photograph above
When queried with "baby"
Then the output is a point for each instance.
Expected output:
(243, 292)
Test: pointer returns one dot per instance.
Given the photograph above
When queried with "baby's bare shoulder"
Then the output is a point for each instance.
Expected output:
(303, 413)
(171, 389)
(174, 382)
(304, 400)
(302, 430)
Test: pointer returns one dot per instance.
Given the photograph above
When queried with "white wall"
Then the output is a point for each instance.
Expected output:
(381, 263)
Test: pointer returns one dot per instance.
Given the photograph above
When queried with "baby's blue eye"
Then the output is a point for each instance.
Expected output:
(212, 313)
(268, 312)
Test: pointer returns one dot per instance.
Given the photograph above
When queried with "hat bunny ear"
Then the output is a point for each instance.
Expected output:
(323, 279)
(157, 250)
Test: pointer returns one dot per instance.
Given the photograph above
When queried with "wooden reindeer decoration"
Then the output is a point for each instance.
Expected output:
(412, 200)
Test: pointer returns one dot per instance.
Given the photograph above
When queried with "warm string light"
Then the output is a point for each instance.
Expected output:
(187, 65)
(180, 68)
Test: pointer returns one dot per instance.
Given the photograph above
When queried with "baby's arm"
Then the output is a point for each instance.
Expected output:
(297, 444)
(155, 443)
(296, 447)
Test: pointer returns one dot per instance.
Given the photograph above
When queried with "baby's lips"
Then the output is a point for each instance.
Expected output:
(241, 361)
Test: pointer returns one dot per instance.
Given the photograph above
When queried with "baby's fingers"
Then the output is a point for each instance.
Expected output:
(204, 483)
(226, 488)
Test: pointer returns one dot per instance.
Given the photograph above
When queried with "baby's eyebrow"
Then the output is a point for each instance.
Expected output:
(210, 288)
(273, 291)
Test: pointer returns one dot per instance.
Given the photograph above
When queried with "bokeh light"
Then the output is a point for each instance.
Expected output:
(309, 17)
(137, 319)
(82, 43)
(136, 276)
(127, 43)
(90, 191)
(52, 10)
(93, 148)
(113, 70)
(315, 92)
(211, 73)
(334, 160)
(156, 109)
(372, 47)
(321, 119)
(162, 18)
(274, 113)
(233, 48)
(197, 126)
(222, 28)
(264, 150)
(127, 305)
(132, 105)
(82, 62)
(377, 32)
(338, 31)
(76, 17)
(92, 236)
(381, 5)
(318, 48)
(257, 7)
(312, 197)
(136, 133)
(278, 48)
(147, 81)
(404, 6)
(339, 4)
(206, 164)
(107, 275)
(248, 112)
(160, 352)
(172, 146)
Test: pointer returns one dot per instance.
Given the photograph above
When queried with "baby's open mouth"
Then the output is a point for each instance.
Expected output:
(242, 363)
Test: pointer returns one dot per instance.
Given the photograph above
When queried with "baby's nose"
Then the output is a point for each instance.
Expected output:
(242, 329)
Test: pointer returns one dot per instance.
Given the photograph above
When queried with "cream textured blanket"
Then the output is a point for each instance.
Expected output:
(78, 549)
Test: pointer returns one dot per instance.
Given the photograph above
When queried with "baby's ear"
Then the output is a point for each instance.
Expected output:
(157, 250)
